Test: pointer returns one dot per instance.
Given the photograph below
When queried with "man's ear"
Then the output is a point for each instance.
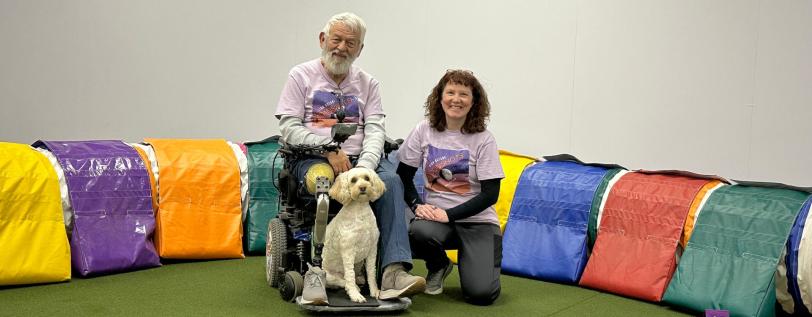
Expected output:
(321, 39)
(360, 50)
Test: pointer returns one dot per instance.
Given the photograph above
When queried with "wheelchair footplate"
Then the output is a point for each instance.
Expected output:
(340, 302)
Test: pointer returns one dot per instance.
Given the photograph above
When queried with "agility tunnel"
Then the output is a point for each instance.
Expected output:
(642, 222)
(67, 210)
(787, 289)
(513, 165)
(596, 210)
(264, 166)
(111, 198)
(732, 255)
(696, 206)
(32, 229)
(546, 233)
(241, 154)
(199, 199)
(144, 152)
(803, 277)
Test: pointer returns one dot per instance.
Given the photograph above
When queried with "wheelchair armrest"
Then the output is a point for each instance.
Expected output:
(390, 145)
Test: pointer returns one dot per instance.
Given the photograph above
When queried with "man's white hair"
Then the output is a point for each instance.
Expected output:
(351, 21)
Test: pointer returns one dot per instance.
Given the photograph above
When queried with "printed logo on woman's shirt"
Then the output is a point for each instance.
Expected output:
(447, 170)
(326, 104)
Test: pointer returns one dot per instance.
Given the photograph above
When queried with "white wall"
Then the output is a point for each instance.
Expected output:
(718, 87)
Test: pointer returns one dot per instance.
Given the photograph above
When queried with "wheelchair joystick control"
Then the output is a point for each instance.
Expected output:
(340, 115)
(340, 132)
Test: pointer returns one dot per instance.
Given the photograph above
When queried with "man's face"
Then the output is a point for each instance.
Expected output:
(340, 49)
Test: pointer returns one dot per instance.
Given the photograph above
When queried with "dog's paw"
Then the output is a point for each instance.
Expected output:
(374, 293)
(356, 296)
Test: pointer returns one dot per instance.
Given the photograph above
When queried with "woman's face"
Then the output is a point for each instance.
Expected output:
(456, 102)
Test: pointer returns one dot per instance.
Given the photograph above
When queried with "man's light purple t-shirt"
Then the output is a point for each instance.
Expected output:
(312, 95)
(453, 164)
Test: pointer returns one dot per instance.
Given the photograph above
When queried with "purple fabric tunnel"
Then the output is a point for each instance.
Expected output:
(110, 192)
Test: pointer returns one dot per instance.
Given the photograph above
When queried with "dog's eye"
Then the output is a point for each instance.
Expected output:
(354, 179)
(366, 177)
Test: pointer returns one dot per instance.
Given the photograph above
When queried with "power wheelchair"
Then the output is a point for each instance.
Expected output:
(296, 235)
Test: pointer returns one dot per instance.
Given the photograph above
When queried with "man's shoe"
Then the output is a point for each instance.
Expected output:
(396, 282)
(314, 291)
(434, 280)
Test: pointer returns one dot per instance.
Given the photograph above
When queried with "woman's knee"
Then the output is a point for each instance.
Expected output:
(419, 231)
(482, 296)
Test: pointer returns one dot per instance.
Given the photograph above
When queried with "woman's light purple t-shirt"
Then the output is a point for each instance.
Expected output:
(312, 95)
(453, 164)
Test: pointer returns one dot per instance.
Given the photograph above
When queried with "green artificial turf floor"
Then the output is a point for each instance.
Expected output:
(238, 288)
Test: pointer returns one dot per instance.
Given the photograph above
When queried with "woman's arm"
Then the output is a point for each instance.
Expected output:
(486, 198)
(410, 195)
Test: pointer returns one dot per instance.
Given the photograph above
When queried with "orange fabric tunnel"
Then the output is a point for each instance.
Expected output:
(199, 212)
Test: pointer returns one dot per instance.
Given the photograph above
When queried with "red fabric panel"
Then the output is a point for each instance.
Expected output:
(641, 226)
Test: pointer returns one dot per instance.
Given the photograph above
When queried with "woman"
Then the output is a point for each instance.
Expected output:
(462, 173)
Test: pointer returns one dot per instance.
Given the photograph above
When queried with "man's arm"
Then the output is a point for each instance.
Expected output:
(372, 146)
(488, 196)
(295, 133)
(291, 110)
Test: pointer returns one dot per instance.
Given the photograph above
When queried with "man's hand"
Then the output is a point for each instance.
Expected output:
(339, 161)
(431, 212)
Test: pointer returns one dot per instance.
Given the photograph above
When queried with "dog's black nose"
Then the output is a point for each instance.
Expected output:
(362, 188)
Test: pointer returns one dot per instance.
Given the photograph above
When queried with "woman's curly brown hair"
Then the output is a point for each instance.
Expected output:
(476, 120)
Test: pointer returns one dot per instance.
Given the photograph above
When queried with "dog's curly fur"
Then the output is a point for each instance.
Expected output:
(352, 236)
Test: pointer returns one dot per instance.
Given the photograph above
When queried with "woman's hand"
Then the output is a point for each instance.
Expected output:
(431, 212)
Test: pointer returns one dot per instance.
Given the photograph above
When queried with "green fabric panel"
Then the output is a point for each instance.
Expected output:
(263, 197)
(733, 253)
(592, 226)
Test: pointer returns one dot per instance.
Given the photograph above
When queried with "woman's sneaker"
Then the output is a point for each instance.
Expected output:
(434, 280)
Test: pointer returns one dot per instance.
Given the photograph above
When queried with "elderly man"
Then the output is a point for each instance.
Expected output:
(316, 94)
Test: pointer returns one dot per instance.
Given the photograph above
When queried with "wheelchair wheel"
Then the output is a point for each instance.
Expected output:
(292, 286)
(275, 252)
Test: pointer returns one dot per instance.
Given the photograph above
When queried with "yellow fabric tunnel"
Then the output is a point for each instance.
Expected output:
(513, 165)
(199, 212)
(33, 242)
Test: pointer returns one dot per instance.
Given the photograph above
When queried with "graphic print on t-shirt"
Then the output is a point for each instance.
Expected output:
(447, 170)
(326, 104)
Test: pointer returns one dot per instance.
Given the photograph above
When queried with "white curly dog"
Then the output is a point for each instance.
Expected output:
(352, 236)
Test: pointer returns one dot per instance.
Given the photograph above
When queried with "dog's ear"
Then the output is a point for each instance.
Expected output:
(378, 187)
(340, 191)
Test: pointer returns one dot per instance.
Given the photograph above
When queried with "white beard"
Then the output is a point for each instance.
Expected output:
(335, 66)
